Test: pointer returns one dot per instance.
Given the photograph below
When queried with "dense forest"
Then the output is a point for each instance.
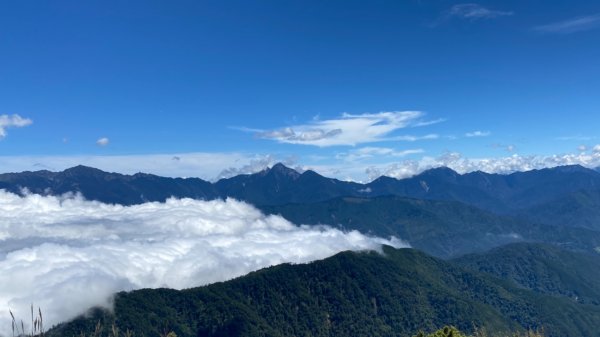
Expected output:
(394, 293)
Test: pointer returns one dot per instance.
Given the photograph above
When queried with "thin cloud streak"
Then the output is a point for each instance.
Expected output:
(469, 12)
(430, 122)
(573, 25)
(375, 152)
(409, 138)
(477, 133)
(474, 11)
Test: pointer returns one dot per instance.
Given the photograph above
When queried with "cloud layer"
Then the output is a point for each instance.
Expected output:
(12, 121)
(66, 254)
(347, 130)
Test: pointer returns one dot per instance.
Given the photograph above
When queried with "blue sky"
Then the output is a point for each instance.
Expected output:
(353, 89)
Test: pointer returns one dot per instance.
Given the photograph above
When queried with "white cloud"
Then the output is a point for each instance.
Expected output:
(474, 11)
(572, 25)
(66, 254)
(12, 121)
(102, 141)
(477, 134)
(349, 129)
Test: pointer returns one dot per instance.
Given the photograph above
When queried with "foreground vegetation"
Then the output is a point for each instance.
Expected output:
(450, 331)
(37, 330)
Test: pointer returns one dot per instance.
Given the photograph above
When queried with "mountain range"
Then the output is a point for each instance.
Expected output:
(439, 211)
(506, 194)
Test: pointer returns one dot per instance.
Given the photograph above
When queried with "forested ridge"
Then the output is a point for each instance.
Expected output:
(395, 293)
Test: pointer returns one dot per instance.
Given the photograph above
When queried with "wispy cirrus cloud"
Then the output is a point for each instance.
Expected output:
(348, 129)
(572, 25)
(477, 133)
(12, 121)
(410, 138)
(470, 12)
(375, 152)
(430, 122)
(473, 11)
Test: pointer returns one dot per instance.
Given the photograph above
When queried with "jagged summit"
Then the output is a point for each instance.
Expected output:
(441, 171)
(281, 170)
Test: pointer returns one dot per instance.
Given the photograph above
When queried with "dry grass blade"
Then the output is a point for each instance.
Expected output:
(98, 329)
(41, 322)
(14, 322)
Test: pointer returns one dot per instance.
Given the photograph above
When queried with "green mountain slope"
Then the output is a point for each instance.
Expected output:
(577, 209)
(440, 228)
(350, 294)
(542, 268)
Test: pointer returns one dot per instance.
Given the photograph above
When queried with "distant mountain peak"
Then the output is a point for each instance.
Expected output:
(82, 170)
(571, 168)
(282, 170)
(440, 171)
(81, 167)
(382, 179)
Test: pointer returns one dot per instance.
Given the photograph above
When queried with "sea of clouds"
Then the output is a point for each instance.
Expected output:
(66, 254)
